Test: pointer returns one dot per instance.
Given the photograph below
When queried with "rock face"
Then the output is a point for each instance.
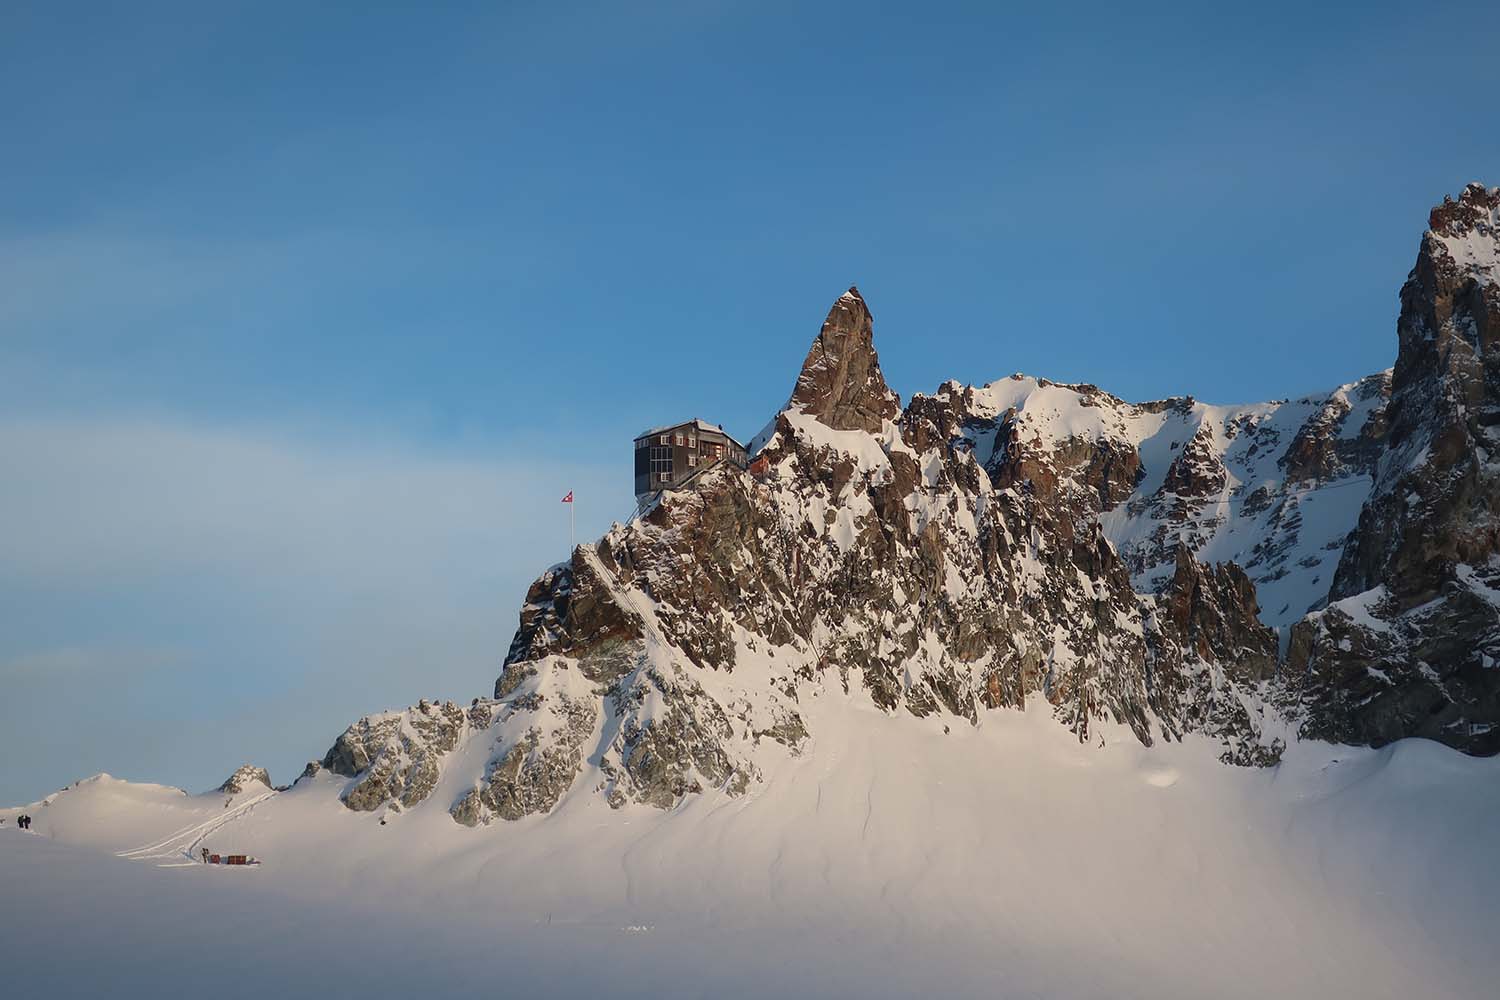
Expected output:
(246, 776)
(948, 559)
(394, 757)
(841, 384)
(1411, 643)
(543, 724)
(1124, 567)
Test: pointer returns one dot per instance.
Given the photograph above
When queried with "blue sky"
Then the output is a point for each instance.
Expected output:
(308, 316)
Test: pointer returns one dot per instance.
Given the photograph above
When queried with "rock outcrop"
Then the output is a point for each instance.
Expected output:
(542, 724)
(394, 757)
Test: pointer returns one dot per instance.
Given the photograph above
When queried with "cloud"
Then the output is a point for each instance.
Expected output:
(79, 662)
(143, 498)
(260, 585)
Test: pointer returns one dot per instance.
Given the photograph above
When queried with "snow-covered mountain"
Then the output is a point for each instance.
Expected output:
(911, 667)
(1128, 562)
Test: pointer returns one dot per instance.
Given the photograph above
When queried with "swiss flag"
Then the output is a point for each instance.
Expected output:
(568, 498)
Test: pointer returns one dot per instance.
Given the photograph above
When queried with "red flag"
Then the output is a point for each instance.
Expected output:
(568, 498)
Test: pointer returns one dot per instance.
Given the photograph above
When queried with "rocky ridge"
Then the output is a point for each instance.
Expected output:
(986, 547)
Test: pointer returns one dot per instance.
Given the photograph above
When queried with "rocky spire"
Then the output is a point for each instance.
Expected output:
(1453, 291)
(841, 383)
(1408, 645)
(1433, 499)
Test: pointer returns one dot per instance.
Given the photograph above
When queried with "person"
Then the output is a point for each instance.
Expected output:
(205, 855)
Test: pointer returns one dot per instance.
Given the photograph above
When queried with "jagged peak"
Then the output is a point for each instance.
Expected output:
(841, 384)
(1463, 235)
(1475, 206)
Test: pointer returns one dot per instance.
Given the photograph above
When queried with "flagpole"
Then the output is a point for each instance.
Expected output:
(572, 535)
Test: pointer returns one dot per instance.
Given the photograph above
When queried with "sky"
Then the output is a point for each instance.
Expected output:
(309, 314)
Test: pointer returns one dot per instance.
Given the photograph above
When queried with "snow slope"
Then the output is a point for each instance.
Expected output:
(157, 822)
(898, 856)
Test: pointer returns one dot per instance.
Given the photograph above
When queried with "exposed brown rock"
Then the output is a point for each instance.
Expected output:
(1214, 611)
(1322, 450)
(841, 383)
(1197, 471)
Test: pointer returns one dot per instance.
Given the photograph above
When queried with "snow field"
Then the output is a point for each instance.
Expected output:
(1003, 860)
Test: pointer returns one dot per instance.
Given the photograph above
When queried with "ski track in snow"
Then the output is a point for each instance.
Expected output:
(173, 845)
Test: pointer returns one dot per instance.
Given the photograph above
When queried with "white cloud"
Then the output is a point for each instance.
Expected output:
(251, 584)
(101, 499)
(74, 662)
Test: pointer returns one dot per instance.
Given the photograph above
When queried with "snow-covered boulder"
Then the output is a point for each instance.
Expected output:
(246, 777)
